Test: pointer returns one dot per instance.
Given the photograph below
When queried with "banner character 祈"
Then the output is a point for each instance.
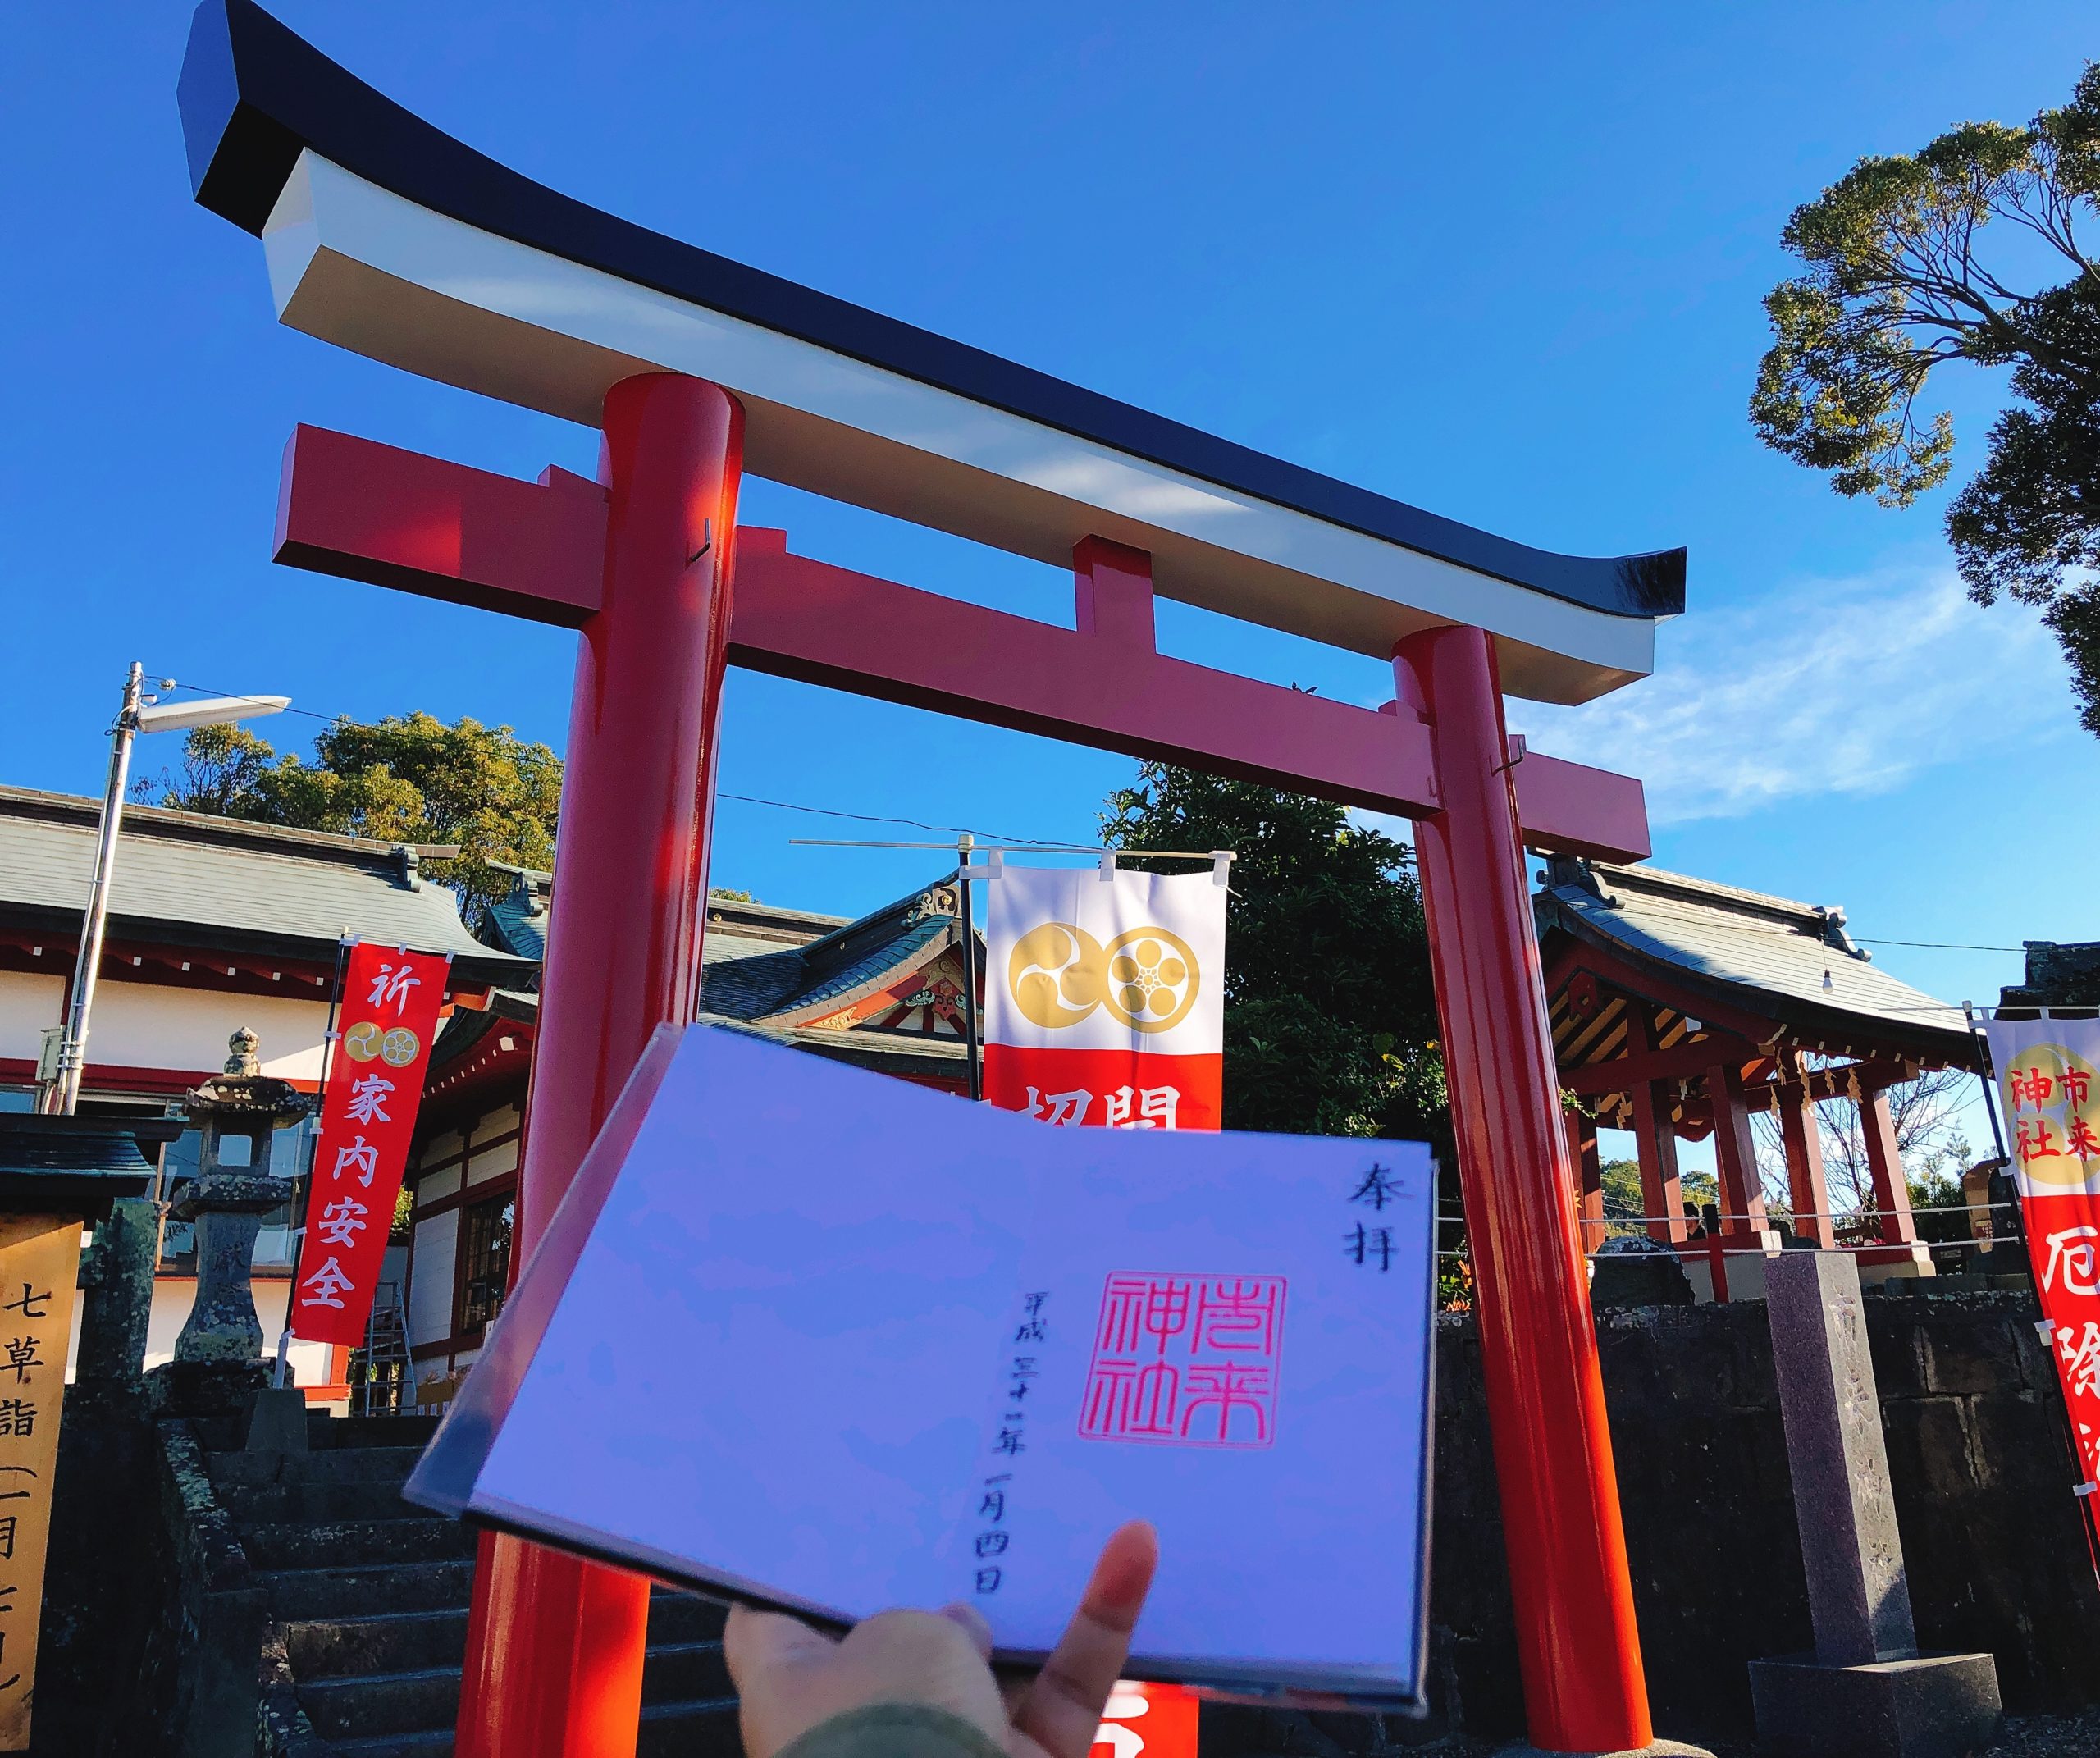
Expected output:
(388, 1019)
(1105, 997)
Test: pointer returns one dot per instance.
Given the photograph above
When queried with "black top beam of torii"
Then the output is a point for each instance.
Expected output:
(388, 237)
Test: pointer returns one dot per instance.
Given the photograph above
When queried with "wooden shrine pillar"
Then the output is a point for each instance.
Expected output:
(1589, 1176)
(1806, 1181)
(1655, 1138)
(1735, 1153)
(1891, 1196)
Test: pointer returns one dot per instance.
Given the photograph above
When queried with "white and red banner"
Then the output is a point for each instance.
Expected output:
(1156, 1721)
(384, 1030)
(1104, 997)
(2048, 1073)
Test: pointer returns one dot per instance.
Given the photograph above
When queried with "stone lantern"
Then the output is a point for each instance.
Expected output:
(218, 1357)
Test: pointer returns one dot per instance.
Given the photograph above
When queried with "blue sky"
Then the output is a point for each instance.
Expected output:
(1504, 262)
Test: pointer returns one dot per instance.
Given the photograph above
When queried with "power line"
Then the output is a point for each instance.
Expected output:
(1938, 946)
(205, 689)
(1043, 842)
(748, 799)
(878, 818)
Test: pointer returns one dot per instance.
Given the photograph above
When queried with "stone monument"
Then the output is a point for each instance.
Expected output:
(116, 1301)
(1635, 1270)
(1866, 1690)
(218, 1365)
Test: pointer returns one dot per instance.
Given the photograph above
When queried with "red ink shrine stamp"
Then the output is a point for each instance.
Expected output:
(1186, 1360)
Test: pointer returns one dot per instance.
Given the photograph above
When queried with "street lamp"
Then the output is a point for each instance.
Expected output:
(61, 1092)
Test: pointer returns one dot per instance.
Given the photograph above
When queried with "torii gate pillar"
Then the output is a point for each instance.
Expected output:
(1577, 1644)
(554, 1644)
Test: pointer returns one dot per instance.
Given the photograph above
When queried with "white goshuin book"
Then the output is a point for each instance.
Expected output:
(816, 1339)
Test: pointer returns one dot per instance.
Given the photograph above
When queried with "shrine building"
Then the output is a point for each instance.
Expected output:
(884, 991)
(215, 923)
(1681, 1007)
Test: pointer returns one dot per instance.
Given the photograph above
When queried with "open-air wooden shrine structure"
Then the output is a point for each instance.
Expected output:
(1681, 1008)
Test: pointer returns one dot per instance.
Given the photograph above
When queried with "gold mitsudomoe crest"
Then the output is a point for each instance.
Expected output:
(1059, 974)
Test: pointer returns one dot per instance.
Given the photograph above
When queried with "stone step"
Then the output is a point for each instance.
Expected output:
(331, 1465)
(426, 1743)
(705, 1729)
(676, 1679)
(683, 1639)
(335, 1544)
(379, 1703)
(253, 1504)
(323, 1431)
(684, 1672)
(310, 1595)
(684, 1617)
(394, 1642)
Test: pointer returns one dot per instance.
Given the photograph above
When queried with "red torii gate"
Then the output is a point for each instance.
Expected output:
(664, 587)
(646, 565)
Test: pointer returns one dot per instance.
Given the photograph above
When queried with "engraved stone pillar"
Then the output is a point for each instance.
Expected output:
(117, 1282)
(1866, 1690)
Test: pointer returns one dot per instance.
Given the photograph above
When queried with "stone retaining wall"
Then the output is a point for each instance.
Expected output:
(1992, 1539)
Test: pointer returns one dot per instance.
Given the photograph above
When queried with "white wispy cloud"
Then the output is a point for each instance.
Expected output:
(1843, 687)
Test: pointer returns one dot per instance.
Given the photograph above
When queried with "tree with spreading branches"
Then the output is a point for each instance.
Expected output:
(406, 778)
(1978, 248)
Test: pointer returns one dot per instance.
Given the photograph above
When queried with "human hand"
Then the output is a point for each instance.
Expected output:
(791, 1678)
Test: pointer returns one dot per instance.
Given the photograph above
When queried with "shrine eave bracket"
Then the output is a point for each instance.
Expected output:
(387, 236)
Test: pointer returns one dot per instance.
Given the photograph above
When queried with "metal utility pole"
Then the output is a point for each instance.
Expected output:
(971, 1028)
(62, 1093)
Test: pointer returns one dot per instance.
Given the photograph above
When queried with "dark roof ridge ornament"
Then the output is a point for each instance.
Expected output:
(1574, 873)
(1833, 935)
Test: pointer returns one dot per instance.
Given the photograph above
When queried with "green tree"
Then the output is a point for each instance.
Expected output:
(1624, 1202)
(1329, 1018)
(1903, 277)
(408, 778)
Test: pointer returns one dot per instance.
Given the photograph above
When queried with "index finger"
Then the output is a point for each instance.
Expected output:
(1061, 1709)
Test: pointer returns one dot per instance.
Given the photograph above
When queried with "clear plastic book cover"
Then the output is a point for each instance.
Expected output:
(811, 1337)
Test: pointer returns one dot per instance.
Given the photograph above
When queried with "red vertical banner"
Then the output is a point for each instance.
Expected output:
(2048, 1074)
(1104, 997)
(384, 1030)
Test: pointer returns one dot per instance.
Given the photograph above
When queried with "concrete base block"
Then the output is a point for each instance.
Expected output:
(1658, 1749)
(206, 1388)
(277, 1423)
(1935, 1706)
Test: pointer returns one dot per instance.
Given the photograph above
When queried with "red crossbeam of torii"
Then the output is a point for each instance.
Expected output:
(366, 511)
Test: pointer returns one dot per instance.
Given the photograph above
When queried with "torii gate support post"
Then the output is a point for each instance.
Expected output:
(554, 1644)
(1578, 1648)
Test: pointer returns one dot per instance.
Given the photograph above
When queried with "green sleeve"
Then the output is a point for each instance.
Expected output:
(895, 1730)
